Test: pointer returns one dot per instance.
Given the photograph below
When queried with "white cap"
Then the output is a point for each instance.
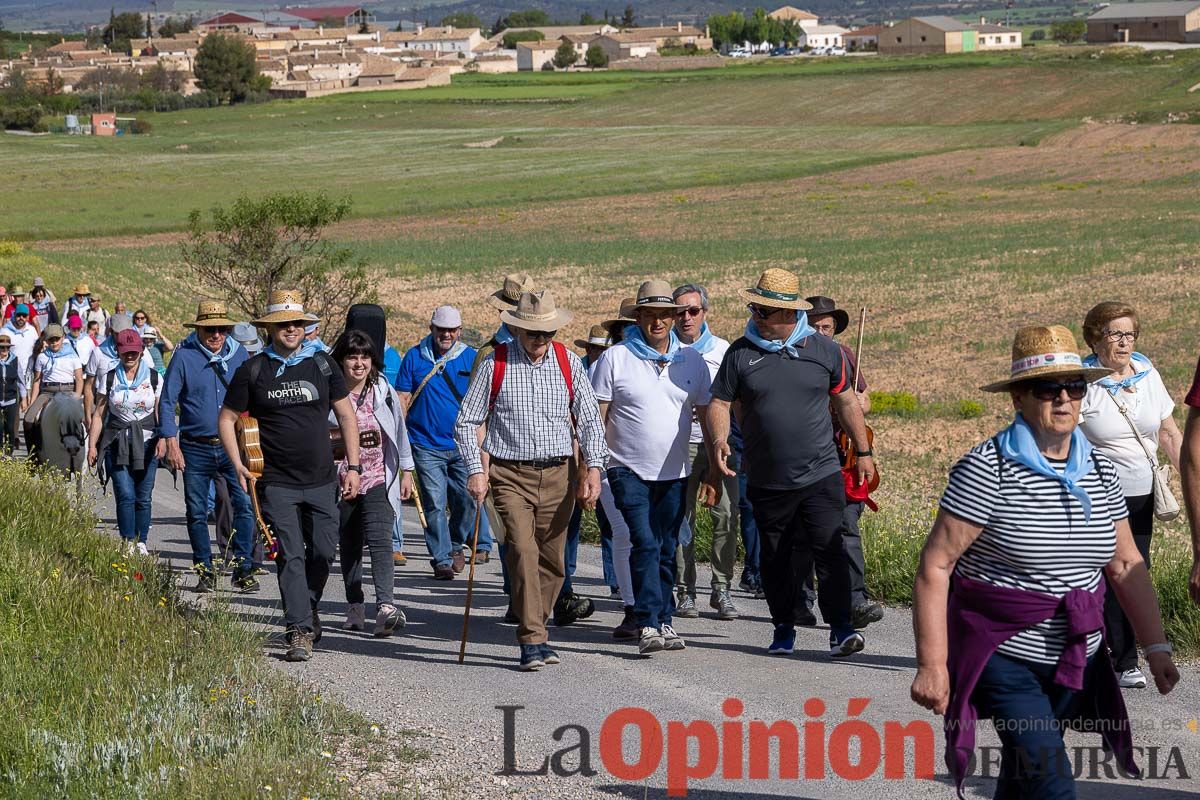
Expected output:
(149, 332)
(446, 317)
(311, 329)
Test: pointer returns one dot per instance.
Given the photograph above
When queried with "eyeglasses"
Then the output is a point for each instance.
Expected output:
(691, 311)
(1050, 390)
(1120, 336)
(139, 318)
(542, 334)
(441, 331)
(291, 324)
(208, 330)
(764, 313)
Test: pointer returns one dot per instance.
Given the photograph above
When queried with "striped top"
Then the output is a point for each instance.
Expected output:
(1034, 535)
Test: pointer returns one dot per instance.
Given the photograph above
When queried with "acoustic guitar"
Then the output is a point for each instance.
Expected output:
(250, 449)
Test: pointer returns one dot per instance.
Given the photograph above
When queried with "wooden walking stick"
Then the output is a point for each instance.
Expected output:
(416, 495)
(462, 647)
(862, 327)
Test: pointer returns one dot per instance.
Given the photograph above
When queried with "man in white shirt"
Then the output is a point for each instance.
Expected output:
(23, 337)
(650, 388)
(691, 326)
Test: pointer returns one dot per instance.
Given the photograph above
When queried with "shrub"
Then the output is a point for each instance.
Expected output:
(140, 127)
(969, 409)
(596, 58)
(26, 118)
(510, 39)
(1068, 30)
(900, 404)
(1038, 36)
(565, 55)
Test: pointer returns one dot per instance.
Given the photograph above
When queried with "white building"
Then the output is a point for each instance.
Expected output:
(448, 40)
(815, 36)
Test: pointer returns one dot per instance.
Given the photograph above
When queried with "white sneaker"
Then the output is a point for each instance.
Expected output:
(127, 548)
(671, 639)
(1132, 679)
(142, 550)
(650, 641)
(356, 617)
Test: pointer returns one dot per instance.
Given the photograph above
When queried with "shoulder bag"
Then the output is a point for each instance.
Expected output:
(1166, 507)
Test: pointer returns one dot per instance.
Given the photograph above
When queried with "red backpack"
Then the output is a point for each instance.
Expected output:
(501, 357)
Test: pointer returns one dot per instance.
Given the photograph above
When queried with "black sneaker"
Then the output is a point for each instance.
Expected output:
(572, 608)
(866, 613)
(207, 582)
(246, 583)
(548, 655)
(531, 657)
(316, 634)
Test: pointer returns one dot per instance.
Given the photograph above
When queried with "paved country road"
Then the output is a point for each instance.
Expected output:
(411, 685)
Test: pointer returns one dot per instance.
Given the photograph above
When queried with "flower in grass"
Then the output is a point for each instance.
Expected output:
(326, 754)
(127, 598)
(137, 576)
(162, 602)
(55, 573)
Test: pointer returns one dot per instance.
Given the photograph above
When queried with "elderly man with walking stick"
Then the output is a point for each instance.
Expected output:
(535, 397)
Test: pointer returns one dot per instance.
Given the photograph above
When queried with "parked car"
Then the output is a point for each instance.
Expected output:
(780, 51)
(739, 52)
(836, 51)
(818, 51)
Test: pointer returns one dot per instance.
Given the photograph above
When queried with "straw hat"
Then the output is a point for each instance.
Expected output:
(5, 340)
(624, 314)
(515, 285)
(81, 289)
(17, 291)
(823, 306)
(1039, 351)
(597, 337)
(535, 311)
(776, 288)
(655, 294)
(210, 314)
(284, 305)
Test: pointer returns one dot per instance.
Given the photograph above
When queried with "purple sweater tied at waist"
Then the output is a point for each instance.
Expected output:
(982, 616)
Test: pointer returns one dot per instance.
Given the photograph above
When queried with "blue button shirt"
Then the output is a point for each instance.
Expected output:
(431, 418)
(193, 384)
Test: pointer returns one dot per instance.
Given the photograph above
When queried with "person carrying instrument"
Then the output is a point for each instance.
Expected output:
(829, 320)
(290, 388)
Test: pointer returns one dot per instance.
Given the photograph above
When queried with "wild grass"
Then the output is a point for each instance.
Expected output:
(116, 690)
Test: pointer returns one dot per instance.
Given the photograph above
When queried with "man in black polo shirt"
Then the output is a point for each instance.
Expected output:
(290, 388)
(782, 379)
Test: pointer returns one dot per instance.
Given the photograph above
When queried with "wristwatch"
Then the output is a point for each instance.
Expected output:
(354, 468)
(864, 453)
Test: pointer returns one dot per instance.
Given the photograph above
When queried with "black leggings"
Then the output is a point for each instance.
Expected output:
(1122, 644)
(9, 417)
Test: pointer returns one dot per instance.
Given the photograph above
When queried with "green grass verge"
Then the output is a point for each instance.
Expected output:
(118, 691)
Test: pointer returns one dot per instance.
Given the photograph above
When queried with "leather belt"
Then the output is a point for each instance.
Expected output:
(212, 440)
(546, 463)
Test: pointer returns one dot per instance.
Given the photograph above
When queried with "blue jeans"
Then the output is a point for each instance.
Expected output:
(571, 550)
(654, 511)
(1028, 708)
(449, 510)
(204, 461)
(606, 548)
(749, 528)
(133, 491)
(398, 535)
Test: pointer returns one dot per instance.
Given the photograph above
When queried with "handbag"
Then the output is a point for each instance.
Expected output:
(1166, 507)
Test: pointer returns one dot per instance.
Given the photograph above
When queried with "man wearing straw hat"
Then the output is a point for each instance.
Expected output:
(290, 388)
(650, 387)
(528, 392)
(783, 378)
(79, 302)
(197, 379)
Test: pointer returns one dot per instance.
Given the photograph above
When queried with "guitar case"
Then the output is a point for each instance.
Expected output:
(371, 320)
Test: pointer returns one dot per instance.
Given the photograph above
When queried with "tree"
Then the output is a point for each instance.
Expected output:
(512, 37)
(462, 19)
(565, 55)
(257, 245)
(529, 18)
(225, 67)
(727, 29)
(586, 18)
(1038, 36)
(149, 27)
(596, 58)
(627, 18)
(174, 26)
(121, 28)
(1068, 30)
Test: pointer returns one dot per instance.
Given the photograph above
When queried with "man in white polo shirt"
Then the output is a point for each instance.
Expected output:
(650, 387)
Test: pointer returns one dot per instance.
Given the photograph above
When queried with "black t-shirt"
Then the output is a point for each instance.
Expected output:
(786, 427)
(293, 417)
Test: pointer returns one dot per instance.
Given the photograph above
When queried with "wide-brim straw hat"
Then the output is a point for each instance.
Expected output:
(211, 314)
(1040, 351)
(598, 336)
(285, 305)
(655, 294)
(509, 295)
(536, 311)
(776, 288)
(624, 315)
(16, 291)
(81, 289)
(823, 306)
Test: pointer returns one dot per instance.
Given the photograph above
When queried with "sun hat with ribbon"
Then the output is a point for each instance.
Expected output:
(536, 311)
(509, 295)
(1039, 351)
(211, 314)
(150, 332)
(5, 340)
(823, 306)
(597, 337)
(17, 291)
(81, 289)
(285, 305)
(776, 288)
(655, 294)
(624, 314)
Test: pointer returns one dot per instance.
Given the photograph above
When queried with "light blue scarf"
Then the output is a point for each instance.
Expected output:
(1114, 386)
(802, 331)
(307, 350)
(9, 326)
(109, 347)
(69, 341)
(1017, 443)
(637, 343)
(705, 342)
(12, 357)
(143, 372)
(426, 348)
(504, 335)
(219, 361)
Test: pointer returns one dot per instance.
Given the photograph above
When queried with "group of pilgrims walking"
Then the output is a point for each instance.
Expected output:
(1033, 592)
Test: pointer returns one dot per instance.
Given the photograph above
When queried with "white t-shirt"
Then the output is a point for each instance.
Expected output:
(650, 416)
(99, 363)
(60, 369)
(713, 358)
(83, 347)
(1101, 421)
(135, 402)
(23, 342)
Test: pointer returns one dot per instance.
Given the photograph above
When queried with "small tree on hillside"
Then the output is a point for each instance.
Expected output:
(1068, 30)
(512, 37)
(596, 58)
(226, 67)
(256, 245)
(565, 55)
(627, 19)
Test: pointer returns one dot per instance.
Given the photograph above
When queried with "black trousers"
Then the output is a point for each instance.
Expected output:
(1122, 644)
(798, 528)
(10, 416)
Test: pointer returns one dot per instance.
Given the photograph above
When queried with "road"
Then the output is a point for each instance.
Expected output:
(412, 685)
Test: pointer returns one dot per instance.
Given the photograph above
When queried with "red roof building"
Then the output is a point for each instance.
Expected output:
(345, 15)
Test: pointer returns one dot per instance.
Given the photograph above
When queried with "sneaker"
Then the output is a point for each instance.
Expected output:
(300, 646)
(261, 570)
(628, 629)
(443, 572)
(399, 559)
(316, 623)
(482, 556)
(572, 608)
(671, 639)
(759, 592)
(807, 620)
(127, 547)
(1132, 679)
(721, 602)
(511, 617)
(848, 646)
(650, 640)
(866, 613)
(613, 591)
(356, 617)
(246, 583)
(746, 584)
(783, 642)
(548, 655)
(685, 607)
(531, 657)
(387, 619)
(458, 562)
(207, 582)
(141, 549)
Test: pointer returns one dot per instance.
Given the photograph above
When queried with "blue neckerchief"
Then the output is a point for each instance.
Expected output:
(143, 372)
(109, 348)
(53, 356)
(141, 329)
(705, 342)
(504, 335)
(1114, 386)
(587, 362)
(8, 326)
(11, 358)
(802, 331)
(426, 349)
(636, 342)
(219, 361)
(307, 350)
(1017, 443)
(320, 345)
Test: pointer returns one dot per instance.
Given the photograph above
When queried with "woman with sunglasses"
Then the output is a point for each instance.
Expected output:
(1031, 522)
(1132, 397)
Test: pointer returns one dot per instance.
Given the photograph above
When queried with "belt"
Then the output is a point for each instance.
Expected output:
(57, 384)
(213, 440)
(546, 463)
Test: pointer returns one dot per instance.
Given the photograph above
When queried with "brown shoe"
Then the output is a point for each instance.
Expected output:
(399, 559)
(443, 573)
(459, 563)
(482, 556)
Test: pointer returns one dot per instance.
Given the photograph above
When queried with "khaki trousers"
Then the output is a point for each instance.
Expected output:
(726, 529)
(535, 506)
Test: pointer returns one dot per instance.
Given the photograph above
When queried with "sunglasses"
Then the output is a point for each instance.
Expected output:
(542, 334)
(691, 311)
(1050, 390)
(764, 313)
(140, 318)
(207, 330)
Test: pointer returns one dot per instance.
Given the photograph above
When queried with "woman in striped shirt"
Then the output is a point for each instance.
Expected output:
(1029, 522)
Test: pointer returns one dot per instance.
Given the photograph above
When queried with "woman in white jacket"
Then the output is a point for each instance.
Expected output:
(387, 466)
